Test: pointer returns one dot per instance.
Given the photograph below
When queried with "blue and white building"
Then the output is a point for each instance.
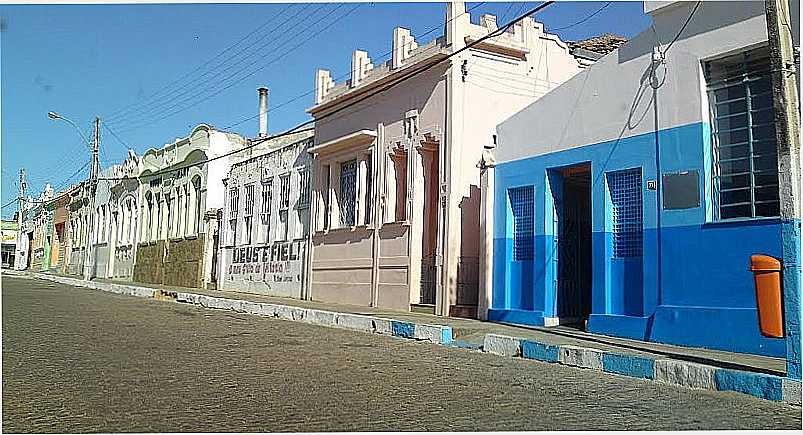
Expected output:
(631, 198)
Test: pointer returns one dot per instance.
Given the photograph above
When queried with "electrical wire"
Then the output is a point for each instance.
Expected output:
(389, 85)
(584, 19)
(183, 107)
(381, 57)
(191, 87)
(273, 18)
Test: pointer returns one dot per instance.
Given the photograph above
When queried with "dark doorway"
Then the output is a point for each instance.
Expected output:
(574, 246)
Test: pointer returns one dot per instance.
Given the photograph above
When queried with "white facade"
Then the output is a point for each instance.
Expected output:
(180, 184)
(265, 220)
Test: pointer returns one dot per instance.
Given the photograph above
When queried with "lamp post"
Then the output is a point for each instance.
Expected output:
(93, 183)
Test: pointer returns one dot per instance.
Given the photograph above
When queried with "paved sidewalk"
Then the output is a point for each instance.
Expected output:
(754, 375)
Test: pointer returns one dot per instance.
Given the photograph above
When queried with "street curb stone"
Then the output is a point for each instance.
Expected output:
(685, 374)
(628, 365)
(586, 358)
(791, 391)
(501, 345)
(755, 384)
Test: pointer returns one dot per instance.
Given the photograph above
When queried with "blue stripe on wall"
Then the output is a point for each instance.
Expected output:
(706, 297)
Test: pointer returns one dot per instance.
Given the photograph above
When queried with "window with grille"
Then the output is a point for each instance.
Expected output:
(626, 208)
(249, 200)
(284, 192)
(522, 204)
(745, 172)
(233, 202)
(303, 188)
(267, 197)
(247, 229)
(348, 190)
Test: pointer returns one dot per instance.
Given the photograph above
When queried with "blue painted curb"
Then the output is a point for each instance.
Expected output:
(540, 351)
(403, 329)
(755, 384)
(629, 365)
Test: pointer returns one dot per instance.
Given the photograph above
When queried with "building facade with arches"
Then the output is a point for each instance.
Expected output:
(180, 193)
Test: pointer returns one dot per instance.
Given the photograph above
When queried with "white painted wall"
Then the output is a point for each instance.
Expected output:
(596, 105)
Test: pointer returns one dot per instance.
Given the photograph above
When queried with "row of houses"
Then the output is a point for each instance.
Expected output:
(524, 180)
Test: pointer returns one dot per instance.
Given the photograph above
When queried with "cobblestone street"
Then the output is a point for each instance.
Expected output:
(77, 360)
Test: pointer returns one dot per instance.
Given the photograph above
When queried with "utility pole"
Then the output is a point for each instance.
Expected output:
(93, 185)
(21, 209)
(787, 127)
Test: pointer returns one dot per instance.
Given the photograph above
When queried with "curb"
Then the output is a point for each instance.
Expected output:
(665, 371)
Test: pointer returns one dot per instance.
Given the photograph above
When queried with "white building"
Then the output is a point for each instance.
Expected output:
(180, 195)
(266, 219)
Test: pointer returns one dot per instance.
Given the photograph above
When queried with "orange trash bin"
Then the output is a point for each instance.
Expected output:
(767, 276)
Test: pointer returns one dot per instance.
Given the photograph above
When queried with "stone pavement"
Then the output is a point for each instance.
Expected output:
(77, 360)
(697, 368)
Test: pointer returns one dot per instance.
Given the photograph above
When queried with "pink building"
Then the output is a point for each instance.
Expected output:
(396, 203)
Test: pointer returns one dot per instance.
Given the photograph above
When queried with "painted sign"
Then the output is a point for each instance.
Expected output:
(273, 268)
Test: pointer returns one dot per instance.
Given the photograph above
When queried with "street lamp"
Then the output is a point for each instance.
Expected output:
(93, 181)
(54, 115)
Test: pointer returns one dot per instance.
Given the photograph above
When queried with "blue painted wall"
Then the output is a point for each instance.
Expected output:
(705, 296)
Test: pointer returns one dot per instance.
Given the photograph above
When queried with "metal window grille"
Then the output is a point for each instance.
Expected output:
(284, 191)
(348, 190)
(249, 200)
(745, 156)
(247, 229)
(267, 195)
(522, 203)
(626, 200)
(303, 188)
(233, 202)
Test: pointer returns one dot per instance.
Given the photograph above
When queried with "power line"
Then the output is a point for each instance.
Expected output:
(191, 86)
(121, 141)
(183, 107)
(682, 28)
(381, 57)
(198, 68)
(384, 88)
(584, 19)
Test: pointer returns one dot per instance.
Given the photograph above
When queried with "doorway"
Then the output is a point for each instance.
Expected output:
(573, 210)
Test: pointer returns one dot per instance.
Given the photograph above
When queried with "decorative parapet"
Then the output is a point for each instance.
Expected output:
(323, 84)
(360, 65)
(403, 46)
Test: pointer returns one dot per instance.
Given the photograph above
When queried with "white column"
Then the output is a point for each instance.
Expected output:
(334, 194)
(486, 242)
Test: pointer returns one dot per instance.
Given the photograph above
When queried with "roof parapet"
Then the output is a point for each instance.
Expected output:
(360, 65)
(323, 84)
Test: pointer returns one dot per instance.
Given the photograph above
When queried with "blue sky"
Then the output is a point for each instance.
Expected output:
(154, 71)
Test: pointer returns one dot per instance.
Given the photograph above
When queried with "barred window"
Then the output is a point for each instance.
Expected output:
(626, 205)
(348, 192)
(284, 191)
(303, 188)
(522, 203)
(267, 197)
(247, 229)
(249, 200)
(745, 156)
(234, 201)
